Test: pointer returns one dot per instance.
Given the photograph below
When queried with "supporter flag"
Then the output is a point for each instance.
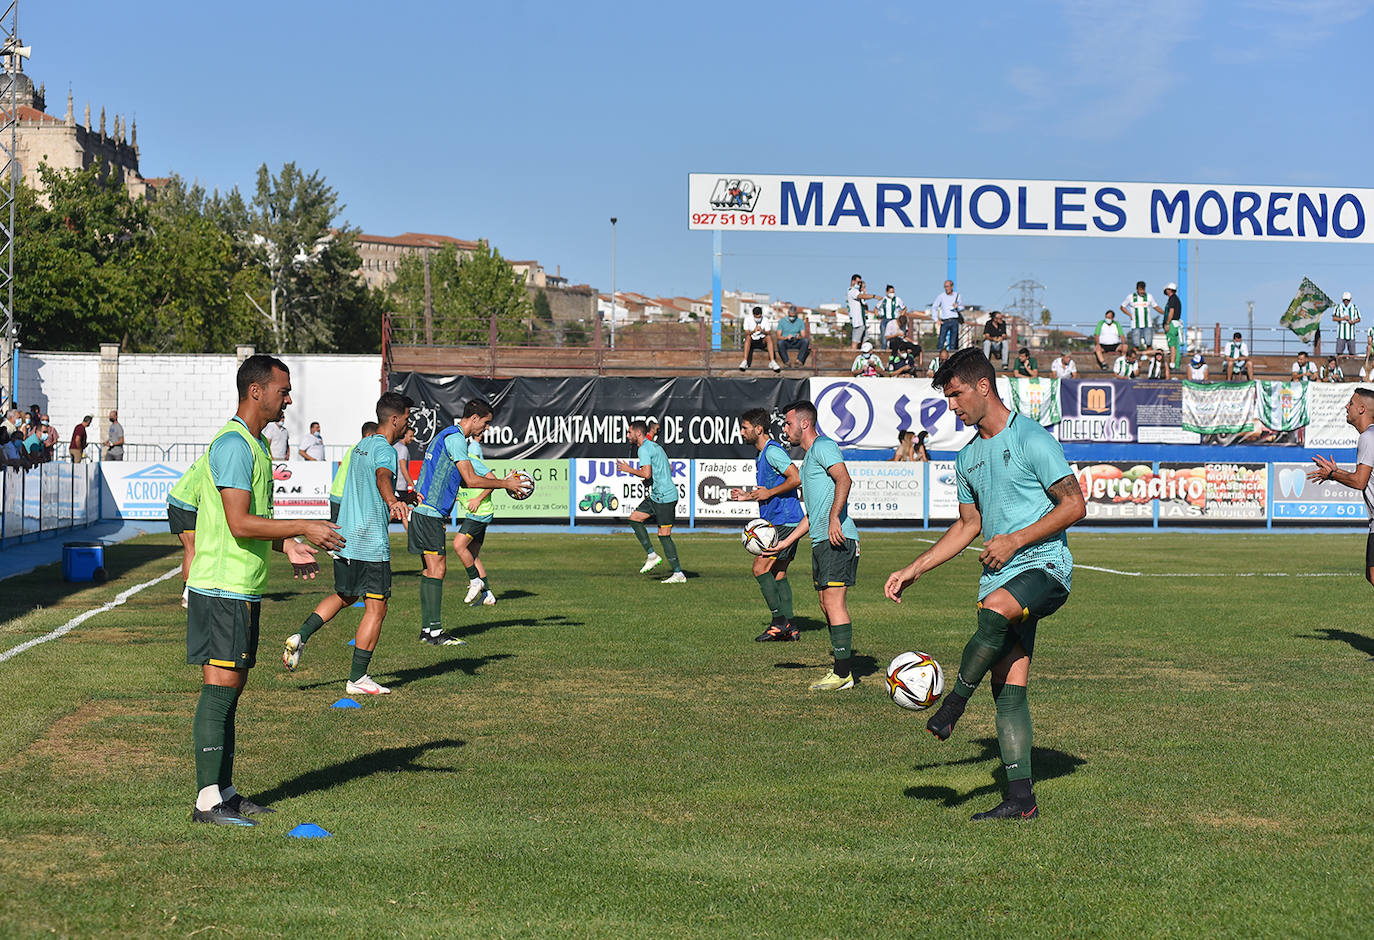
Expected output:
(1283, 405)
(1037, 399)
(1304, 314)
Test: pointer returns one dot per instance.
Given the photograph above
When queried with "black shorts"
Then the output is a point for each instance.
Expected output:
(664, 514)
(1369, 551)
(753, 343)
(221, 631)
(353, 578)
(1110, 347)
(180, 519)
(425, 534)
(834, 567)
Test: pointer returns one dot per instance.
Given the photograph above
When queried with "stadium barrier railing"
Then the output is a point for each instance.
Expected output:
(51, 497)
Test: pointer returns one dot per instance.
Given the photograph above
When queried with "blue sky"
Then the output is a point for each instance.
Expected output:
(532, 123)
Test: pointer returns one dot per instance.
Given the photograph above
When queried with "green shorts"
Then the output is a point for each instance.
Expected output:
(354, 578)
(221, 631)
(834, 567)
(475, 530)
(180, 519)
(426, 535)
(664, 514)
(1040, 594)
(790, 552)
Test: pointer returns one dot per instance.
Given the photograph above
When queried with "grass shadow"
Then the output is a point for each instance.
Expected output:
(553, 620)
(385, 760)
(515, 595)
(1047, 763)
(1357, 641)
(44, 586)
(808, 624)
(399, 677)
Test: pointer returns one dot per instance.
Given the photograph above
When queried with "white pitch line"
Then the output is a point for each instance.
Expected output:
(82, 618)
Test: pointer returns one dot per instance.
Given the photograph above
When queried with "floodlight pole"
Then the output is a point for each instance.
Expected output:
(715, 290)
(1183, 287)
(613, 282)
(13, 54)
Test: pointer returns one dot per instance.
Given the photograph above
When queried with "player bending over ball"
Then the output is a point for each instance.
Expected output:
(1359, 414)
(1017, 491)
(775, 491)
(661, 506)
(336, 487)
(834, 537)
(448, 469)
(363, 567)
(182, 503)
(235, 529)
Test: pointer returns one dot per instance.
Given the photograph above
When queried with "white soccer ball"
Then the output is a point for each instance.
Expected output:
(527, 485)
(915, 681)
(759, 536)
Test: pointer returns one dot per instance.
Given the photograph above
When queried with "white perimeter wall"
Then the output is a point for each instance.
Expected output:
(169, 399)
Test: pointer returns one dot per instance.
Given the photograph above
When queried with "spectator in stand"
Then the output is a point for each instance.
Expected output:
(858, 312)
(49, 439)
(1126, 366)
(1026, 367)
(945, 310)
(903, 361)
(911, 446)
(995, 338)
(1346, 315)
(78, 444)
(1158, 366)
(278, 444)
(937, 362)
(758, 334)
(314, 444)
(402, 447)
(33, 439)
(10, 450)
(1332, 371)
(1137, 307)
(1173, 325)
(867, 362)
(1237, 356)
(1106, 338)
(1197, 368)
(1304, 369)
(114, 439)
(794, 332)
(890, 307)
(11, 420)
(894, 332)
(1063, 366)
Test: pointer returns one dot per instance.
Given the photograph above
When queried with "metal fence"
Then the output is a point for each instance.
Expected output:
(50, 497)
(186, 452)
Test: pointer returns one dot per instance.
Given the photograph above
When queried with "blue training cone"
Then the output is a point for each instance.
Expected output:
(309, 831)
(345, 703)
(353, 642)
(358, 603)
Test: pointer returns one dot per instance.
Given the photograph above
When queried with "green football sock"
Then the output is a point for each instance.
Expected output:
(984, 648)
(226, 769)
(472, 573)
(784, 589)
(642, 534)
(841, 640)
(361, 659)
(431, 604)
(770, 593)
(1014, 731)
(669, 550)
(312, 623)
(208, 732)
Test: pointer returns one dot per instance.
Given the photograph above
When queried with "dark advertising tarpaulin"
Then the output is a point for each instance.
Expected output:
(551, 418)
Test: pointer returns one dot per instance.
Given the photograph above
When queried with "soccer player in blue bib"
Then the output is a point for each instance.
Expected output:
(661, 506)
(776, 491)
(1017, 491)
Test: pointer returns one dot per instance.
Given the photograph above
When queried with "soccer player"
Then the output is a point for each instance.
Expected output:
(1016, 489)
(449, 467)
(472, 533)
(182, 501)
(235, 529)
(336, 486)
(776, 493)
(1359, 414)
(661, 506)
(363, 566)
(834, 537)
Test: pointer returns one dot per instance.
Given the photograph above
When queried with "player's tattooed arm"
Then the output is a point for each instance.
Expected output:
(1064, 489)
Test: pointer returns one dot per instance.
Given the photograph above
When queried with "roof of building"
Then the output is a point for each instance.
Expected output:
(27, 113)
(419, 240)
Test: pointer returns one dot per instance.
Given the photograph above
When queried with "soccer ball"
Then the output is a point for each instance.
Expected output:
(526, 485)
(915, 681)
(759, 536)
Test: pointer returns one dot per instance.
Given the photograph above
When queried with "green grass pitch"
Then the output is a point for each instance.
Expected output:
(613, 757)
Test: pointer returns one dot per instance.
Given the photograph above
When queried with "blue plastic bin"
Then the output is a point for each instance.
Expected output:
(83, 561)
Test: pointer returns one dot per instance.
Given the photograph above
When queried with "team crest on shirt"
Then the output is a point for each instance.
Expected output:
(734, 195)
(1006, 458)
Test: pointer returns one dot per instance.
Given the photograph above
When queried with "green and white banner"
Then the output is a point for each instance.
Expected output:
(1304, 314)
(1037, 399)
(1218, 407)
(1282, 405)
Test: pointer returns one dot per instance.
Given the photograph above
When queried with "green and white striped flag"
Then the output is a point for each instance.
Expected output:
(1304, 314)
(1282, 406)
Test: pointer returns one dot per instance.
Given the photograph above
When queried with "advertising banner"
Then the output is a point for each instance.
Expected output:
(1159, 414)
(1296, 497)
(1218, 407)
(887, 491)
(1214, 492)
(1037, 399)
(1096, 410)
(944, 492)
(587, 417)
(870, 412)
(300, 489)
(136, 490)
(1326, 427)
(1120, 491)
(714, 480)
(550, 498)
(603, 492)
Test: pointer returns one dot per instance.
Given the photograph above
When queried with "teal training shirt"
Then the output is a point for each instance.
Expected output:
(818, 490)
(1008, 476)
(661, 486)
(363, 516)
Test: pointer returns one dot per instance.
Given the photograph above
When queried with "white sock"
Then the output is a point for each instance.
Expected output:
(208, 797)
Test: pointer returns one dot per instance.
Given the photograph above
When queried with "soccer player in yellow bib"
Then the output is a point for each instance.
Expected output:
(336, 487)
(182, 503)
(234, 531)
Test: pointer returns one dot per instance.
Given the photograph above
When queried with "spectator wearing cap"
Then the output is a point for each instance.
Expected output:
(1304, 369)
(1137, 307)
(78, 442)
(1106, 338)
(1237, 356)
(1346, 315)
(1063, 366)
(1332, 371)
(1197, 368)
(867, 362)
(1173, 325)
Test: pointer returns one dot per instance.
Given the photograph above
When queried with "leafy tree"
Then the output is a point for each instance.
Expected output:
(465, 294)
(490, 289)
(542, 311)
